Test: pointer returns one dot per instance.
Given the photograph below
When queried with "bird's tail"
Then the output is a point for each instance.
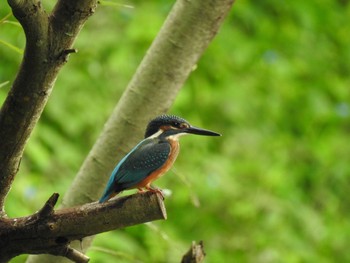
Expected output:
(107, 195)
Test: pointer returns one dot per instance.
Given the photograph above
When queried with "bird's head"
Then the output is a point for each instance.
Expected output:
(170, 126)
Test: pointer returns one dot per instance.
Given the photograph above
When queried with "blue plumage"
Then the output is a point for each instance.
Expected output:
(149, 155)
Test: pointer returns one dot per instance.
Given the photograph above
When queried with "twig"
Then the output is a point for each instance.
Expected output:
(195, 254)
(76, 256)
(47, 209)
(63, 56)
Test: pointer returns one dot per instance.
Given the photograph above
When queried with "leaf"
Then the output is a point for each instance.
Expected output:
(4, 83)
(12, 23)
(2, 20)
(110, 3)
(14, 48)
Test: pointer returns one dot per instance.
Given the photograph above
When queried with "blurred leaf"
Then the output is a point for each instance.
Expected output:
(3, 84)
(110, 3)
(4, 19)
(12, 47)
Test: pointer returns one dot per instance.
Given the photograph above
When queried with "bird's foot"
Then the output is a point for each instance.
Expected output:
(156, 190)
(140, 190)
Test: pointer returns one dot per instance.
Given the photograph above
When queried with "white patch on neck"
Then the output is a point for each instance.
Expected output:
(155, 135)
(175, 137)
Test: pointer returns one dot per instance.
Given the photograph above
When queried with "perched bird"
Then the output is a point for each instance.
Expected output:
(152, 157)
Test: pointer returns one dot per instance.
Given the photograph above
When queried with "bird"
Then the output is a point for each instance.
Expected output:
(152, 157)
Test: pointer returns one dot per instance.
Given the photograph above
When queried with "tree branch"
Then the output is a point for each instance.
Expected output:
(49, 39)
(51, 232)
(76, 256)
(195, 254)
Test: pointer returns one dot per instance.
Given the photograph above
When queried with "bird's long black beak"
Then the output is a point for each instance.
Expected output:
(200, 131)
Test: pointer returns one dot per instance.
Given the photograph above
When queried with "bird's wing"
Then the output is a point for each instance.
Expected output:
(146, 157)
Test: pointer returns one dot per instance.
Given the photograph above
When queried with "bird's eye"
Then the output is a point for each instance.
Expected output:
(184, 125)
(176, 124)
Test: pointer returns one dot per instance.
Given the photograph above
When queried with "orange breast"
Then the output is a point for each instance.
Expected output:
(175, 147)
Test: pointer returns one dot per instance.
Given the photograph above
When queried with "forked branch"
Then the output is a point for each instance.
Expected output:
(50, 232)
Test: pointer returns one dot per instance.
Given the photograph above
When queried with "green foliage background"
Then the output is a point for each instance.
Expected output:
(275, 82)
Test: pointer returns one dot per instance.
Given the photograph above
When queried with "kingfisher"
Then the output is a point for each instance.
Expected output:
(152, 157)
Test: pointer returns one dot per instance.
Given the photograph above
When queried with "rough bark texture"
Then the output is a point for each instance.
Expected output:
(49, 231)
(49, 40)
